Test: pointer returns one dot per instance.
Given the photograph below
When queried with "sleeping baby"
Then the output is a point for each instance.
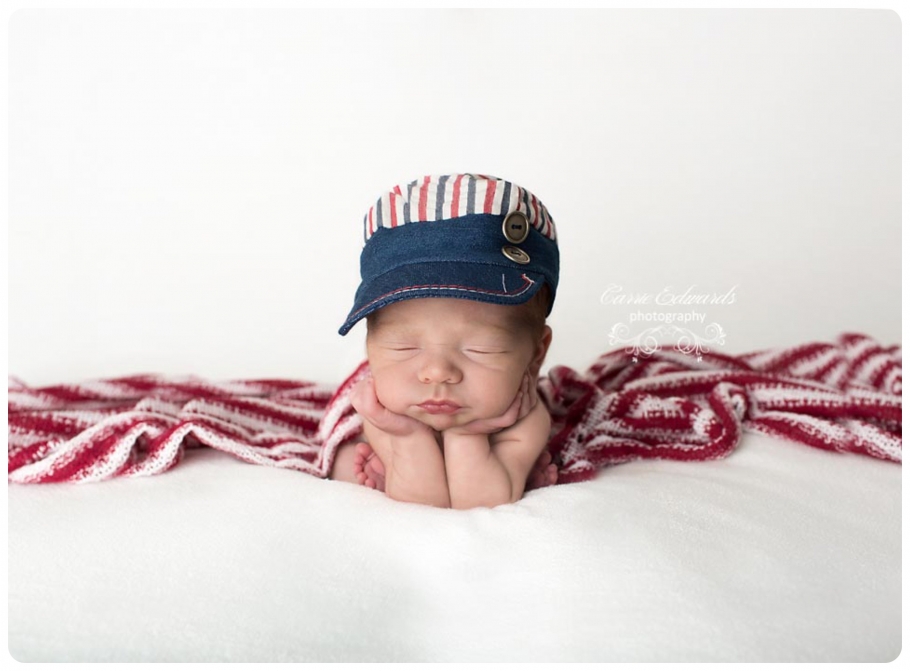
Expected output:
(459, 273)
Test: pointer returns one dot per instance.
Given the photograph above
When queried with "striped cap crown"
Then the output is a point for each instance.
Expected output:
(441, 197)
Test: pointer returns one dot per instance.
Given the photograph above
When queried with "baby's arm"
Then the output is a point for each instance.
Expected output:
(489, 470)
(519, 447)
(475, 476)
(414, 466)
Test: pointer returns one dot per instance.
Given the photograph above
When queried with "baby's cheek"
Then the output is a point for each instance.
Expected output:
(393, 401)
(504, 397)
(381, 394)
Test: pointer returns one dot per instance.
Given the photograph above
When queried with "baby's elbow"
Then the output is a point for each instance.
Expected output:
(517, 494)
(491, 498)
(471, 505)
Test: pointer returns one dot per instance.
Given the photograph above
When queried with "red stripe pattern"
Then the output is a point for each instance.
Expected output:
(843, 396)
(442, 197)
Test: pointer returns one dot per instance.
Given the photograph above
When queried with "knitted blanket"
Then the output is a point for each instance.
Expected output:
(844, 397)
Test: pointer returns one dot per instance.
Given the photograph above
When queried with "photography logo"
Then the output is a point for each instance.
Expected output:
(672, 310)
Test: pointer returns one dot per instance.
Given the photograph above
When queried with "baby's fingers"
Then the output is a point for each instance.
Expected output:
(514, 412)
(506, 419)
(528, 398)
(532, 390)
(366, 402)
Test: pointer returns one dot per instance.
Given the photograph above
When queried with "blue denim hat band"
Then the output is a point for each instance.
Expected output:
(454, 258)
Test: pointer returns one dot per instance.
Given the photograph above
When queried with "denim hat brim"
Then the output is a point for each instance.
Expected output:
(456, 258)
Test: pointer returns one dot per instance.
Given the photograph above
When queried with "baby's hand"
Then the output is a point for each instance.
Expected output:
(524, 402)
(365, 402)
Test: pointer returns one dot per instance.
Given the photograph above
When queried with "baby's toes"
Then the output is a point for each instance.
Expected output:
(552, 474)
(365, 480)
(363, 469)
(361, 457)
(359, 462)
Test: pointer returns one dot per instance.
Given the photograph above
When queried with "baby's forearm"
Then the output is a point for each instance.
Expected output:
(474, 474)
(417, 473)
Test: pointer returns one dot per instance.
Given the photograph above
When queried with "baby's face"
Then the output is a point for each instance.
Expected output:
(449, 349)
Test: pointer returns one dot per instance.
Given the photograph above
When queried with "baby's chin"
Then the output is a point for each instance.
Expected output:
(438, 422)
(442, 422)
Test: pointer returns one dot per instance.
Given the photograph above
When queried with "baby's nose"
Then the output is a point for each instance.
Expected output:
(439, 369)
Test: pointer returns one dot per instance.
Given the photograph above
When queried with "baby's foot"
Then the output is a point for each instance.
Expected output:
(368, 469)
(543, 473)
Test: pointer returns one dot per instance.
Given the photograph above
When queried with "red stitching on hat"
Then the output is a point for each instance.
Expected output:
(454, 287)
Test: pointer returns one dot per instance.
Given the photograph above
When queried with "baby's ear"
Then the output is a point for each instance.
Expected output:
(543, 345)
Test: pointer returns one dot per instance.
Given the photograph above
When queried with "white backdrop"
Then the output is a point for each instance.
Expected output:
(187, 186)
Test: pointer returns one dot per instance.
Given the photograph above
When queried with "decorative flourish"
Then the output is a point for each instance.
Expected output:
(645, 342)
(687, 342)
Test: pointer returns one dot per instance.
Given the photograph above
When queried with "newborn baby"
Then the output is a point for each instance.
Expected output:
(451, 415)
(456, 337)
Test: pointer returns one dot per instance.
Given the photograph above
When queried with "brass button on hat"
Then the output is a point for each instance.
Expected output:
(515, 254)
(515, 227)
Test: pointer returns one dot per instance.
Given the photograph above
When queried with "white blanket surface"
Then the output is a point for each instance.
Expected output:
(779, 552)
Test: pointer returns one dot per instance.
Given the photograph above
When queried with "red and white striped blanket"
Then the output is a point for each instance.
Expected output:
(844, 396)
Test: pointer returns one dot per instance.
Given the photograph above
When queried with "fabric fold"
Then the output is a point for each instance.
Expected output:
(843, 396)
